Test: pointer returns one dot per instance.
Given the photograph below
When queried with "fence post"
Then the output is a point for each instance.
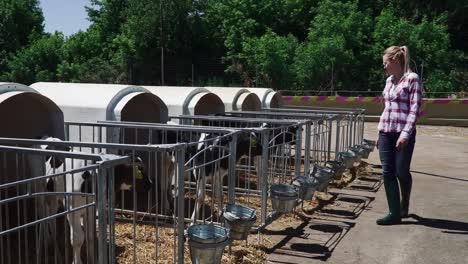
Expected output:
(180, 157)
(337, 147)
(307, 148)
(232, 169)
(298, 153)
(330, 129)
(101, 203)
(264, 175)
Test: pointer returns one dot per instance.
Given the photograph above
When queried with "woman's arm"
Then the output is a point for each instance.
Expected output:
(415, 100)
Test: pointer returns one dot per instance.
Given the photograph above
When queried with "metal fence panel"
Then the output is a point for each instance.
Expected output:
(33, 228)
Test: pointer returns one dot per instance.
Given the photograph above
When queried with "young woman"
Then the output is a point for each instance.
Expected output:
(397, 131)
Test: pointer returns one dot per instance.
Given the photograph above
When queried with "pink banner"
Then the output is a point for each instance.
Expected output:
(340, 98)
(358, 99)
(441, 101)
(321, 98)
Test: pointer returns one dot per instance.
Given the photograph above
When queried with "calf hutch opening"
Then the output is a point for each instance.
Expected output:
(24, 113)
(236, 99)
(269, 97)
(188, 100)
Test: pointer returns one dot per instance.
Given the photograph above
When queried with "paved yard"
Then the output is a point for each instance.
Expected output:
(438, 232)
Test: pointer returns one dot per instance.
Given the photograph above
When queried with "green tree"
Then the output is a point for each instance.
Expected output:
(37, 62)
(20, 24)
(84, 60)
(335, 55)
(242, 23)
(454, 11)
(429, 45)
(269, 59)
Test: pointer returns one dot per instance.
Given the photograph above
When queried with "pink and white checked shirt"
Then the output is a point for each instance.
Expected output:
(402, 102)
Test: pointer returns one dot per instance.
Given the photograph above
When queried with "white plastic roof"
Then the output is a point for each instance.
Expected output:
(268, 97)
(237, 99)
(88, 102)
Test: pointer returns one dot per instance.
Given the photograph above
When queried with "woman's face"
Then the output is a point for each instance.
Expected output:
(391, 67)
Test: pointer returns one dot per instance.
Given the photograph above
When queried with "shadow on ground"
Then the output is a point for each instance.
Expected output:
(318, 235)
(448, 226)
(346, 206)
(313, 239)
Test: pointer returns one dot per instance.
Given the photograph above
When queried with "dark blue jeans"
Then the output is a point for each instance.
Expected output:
(396, 163)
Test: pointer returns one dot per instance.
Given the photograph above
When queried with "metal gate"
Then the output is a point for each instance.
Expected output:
(32, 228)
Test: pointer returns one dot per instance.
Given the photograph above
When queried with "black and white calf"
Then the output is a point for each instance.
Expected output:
(211, 162)
(77, 186)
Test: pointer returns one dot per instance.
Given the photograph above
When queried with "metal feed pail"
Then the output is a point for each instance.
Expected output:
(207, 243)
(370, 143)
(365, 151)
(283, 198)
(239, 219)
(347, 158)
(356, 152)
(306, 187)
(323, 176)
(337, 167)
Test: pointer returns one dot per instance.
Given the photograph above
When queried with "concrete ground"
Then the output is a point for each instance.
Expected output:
(437, 232)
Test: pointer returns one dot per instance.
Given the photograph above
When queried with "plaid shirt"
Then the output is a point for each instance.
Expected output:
(402, 102)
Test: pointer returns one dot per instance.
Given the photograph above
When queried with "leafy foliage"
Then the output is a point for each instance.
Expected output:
(38, 61)
(331, 45)
(20, 25)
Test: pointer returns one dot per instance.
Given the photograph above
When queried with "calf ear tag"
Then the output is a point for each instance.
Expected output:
(253, 142)
(138, 174)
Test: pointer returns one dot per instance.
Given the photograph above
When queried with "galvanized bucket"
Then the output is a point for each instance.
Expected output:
(365, 151)
(357, 152)
(239, 219)
(347, 158)
(306, 187)
(337, 167)
(283, 198)
(370, 143)
(207, 243)
(323, 176)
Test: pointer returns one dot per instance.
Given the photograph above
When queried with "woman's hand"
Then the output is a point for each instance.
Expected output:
(401, 143)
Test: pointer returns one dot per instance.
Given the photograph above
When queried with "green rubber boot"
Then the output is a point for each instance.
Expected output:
(393, 198)
(405, 198)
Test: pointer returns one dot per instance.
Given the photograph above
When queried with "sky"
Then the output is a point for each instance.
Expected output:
(66, 16)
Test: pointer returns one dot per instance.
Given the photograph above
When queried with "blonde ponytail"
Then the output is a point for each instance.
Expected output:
(406, 56)
(402, 55)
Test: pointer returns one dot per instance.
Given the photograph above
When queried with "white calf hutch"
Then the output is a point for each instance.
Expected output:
(24, 113)
(188, 100)
(95, 102)
(236, 99)
(269, 97)
(86, 102)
